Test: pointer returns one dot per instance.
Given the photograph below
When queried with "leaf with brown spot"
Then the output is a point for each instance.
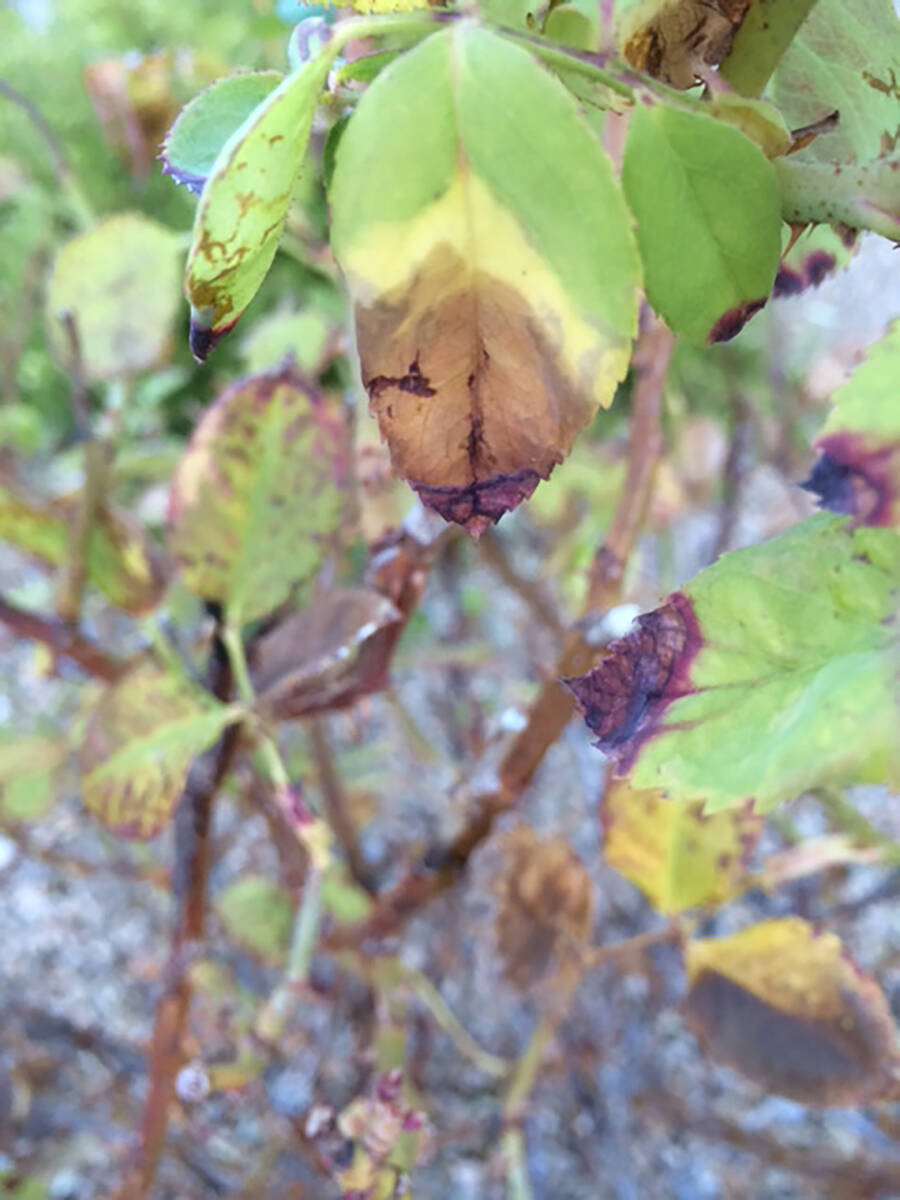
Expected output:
(673, 39)
(256, 499)
(489, 327)
(858, 471)
(140, 741)
(327, 656)
(785, 1005)
(678, 857)
(773, 671)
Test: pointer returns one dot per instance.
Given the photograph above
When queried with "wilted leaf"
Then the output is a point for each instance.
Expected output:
(678, 857)
(140, 740)
(255, 499)
(244, 204)
(672, 38)
(786, 1006)
(844, 57)
(121, 563)
(771, 672)
(119, 283)
(203, 127)
(326, 656)
(859, 469)
(491, 266)
(709, 220)
(258, 914)
(812, 257)
(545, 899)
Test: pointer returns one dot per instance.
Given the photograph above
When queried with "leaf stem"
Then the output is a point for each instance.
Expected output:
(849, 818)
(274, 1014)
(765, 34)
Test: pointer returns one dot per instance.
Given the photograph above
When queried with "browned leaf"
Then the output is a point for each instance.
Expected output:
(327, 656)
(545, 902)
(671, 39)
(785, 1005)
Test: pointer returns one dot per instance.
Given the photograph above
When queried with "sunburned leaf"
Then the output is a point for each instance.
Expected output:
(859, 469)
(140, 741)
(771, 672)
(255, 499)
(785, 1005)
(673, 39)
(812, 257)
(491, 265)
(119, 285)
(258, 914)
(709, 220)
(202, 128)
(327, 656)
(121, 563)
(844, 57)
(244, 204)
(678, 857)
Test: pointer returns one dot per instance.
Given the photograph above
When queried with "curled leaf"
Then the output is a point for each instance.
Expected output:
(118, 285)
(244, 204)
(255, 499)
(203, 126)
(771, 672)
(489, 327)
(140, 741)
(784, 1004)
(326, 656)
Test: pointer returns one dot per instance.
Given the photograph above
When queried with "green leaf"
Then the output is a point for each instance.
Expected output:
(845, 57)
(784, 1004)
(28, 765)
(676, 855)
(119, 284)
(279, 337)
(258, 914)
(709, 221)
(575, 24)
(121, 563)
(772, 672)
(858, 472)
(139, 743)
(492, 268)
(255, 500)
(203, 126)
(244, 203)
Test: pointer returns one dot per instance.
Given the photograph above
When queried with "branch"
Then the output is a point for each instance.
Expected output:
(335, 806)
(551, 711)
(63, 640)
(861, 197)
(190, 875)
(765, 34)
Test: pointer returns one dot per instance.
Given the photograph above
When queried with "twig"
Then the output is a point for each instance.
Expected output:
(75, 569)
(598, 956)
(81, 209)
(553, 707)
(63, 640)
(190, 874)
(274, 1014)
(863, 832)
(335, 805)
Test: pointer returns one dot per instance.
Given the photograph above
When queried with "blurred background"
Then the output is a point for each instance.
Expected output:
(625, 1106)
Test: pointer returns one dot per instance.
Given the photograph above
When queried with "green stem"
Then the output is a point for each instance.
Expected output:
(765, 34)
(562, 60)
(862, 197)
(234, 647)
(518, 1185)
(489, 1063)
(850, 819)
(273, 1016)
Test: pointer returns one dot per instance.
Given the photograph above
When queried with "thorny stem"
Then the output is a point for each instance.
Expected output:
(63, 640)
(554, 705)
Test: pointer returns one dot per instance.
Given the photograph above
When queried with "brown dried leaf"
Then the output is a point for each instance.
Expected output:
(670, 39)
(786, 1006)
(327, 656)
(545, 900)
